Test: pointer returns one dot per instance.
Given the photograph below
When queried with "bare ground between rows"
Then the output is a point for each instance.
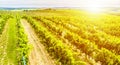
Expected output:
(38, 55)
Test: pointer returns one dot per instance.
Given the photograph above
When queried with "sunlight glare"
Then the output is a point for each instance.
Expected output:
(94, 9)
(94, 6)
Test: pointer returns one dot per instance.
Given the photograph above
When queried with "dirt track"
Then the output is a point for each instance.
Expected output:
(38, 55)
(3, 46)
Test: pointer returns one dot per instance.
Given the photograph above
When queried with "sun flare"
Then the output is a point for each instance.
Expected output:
(94, 9)
(94, 6)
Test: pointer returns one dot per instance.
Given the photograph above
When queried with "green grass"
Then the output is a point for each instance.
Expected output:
(9, 43)
(12, 42)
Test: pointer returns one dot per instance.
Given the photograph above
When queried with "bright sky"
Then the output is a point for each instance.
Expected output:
(59, 3)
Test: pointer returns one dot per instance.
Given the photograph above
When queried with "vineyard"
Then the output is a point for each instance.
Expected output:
(59, 37)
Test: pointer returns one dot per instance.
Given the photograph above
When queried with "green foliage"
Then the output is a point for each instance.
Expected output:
(107, 58)
(23, 47)
(73, 37)
(89, 43)
(12, 41)
(2, 23)
(75, 34)
(55, 47)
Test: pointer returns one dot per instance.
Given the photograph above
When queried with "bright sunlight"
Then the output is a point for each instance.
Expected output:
(95, 6)
(94, 9)
(59, 32)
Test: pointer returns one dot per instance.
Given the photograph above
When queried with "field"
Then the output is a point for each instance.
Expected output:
(59, 37)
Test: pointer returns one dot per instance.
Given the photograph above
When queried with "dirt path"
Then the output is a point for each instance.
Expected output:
(3, 45)
(4, 41)
(38, 55)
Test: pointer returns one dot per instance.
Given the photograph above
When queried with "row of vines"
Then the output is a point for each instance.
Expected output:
(89, 41)
(96, 36)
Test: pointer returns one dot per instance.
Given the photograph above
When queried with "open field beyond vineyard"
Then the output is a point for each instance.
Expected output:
(59, 37)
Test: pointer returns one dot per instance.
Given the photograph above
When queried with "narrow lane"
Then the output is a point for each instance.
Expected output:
(38, 55)
(3, 45)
